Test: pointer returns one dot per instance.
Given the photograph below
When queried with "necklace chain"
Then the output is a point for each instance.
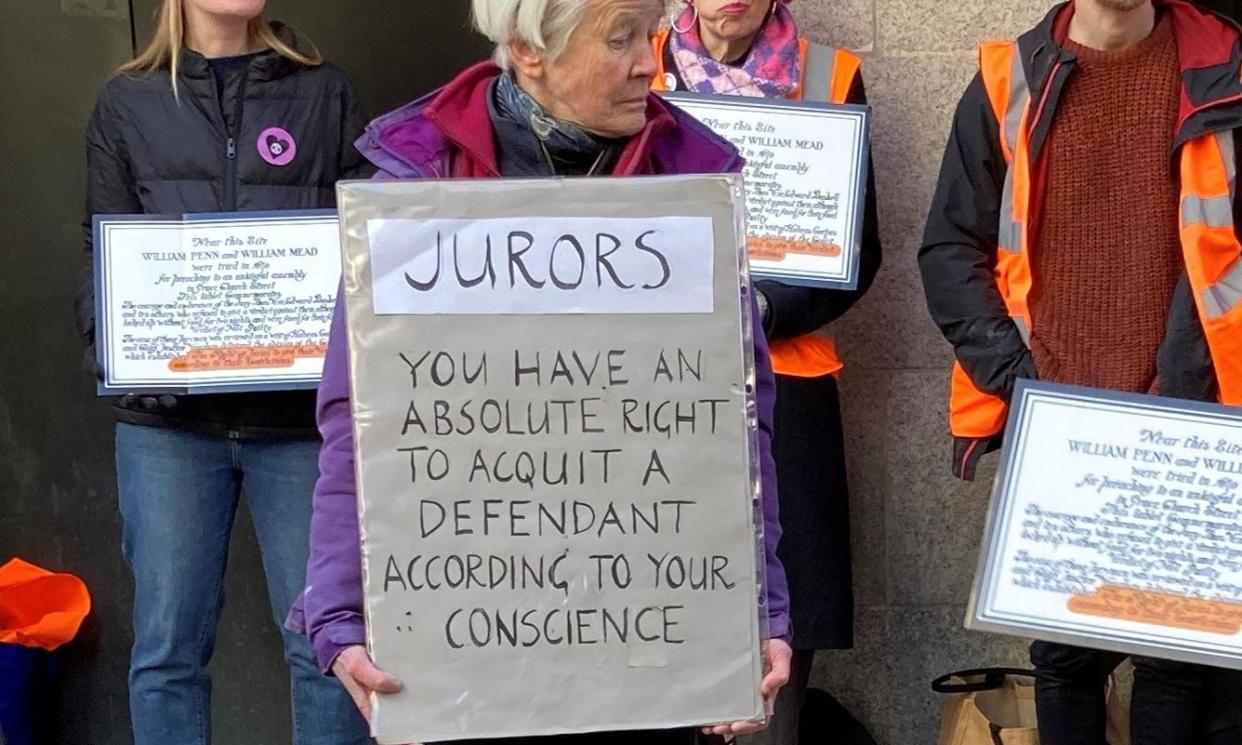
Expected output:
(552, 165)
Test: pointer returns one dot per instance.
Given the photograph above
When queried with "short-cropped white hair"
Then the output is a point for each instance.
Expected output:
(544, 24)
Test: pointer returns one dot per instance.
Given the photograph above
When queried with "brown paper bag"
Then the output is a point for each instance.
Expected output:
(996, 706)
(1118, 732)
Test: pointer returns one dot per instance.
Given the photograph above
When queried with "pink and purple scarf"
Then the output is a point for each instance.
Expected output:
(770, 69)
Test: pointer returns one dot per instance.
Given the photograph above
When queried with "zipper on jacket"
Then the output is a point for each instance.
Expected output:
(230, 147)
(1042, 105)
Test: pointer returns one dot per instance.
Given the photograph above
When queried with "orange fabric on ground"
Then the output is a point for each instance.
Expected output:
(39, 608)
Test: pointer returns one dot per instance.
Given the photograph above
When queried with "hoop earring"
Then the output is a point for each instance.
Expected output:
(693, 22)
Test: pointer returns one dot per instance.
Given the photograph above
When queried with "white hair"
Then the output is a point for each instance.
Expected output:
(544, 24)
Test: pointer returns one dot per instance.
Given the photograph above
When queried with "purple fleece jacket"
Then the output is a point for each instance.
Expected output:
(410, 143)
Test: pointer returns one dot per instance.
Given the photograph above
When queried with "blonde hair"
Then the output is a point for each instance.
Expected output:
(164, 51)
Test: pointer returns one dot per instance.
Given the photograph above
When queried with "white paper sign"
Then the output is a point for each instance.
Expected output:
(558, 507)
(1117, 524)
(213, 304)
(806, 182)
(540, 265)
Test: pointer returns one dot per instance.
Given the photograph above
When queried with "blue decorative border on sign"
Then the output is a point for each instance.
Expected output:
(103, 287)
(980, 615)
(858, 176)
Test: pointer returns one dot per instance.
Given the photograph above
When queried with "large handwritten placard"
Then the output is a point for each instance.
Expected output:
(806, 182)
(1117, 524)
(555, 440)
(214, 303)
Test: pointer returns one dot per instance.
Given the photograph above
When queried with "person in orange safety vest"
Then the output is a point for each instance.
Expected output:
(1066, 245)
(753, 48)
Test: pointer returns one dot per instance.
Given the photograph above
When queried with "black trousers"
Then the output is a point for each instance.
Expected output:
(1174, 703)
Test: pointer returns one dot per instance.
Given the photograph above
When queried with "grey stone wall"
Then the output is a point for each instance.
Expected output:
(916, 529)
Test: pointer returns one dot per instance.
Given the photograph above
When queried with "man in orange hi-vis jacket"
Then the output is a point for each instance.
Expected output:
(1065, 244)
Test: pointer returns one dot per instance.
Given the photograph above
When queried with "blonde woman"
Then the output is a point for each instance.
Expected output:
(222, 112)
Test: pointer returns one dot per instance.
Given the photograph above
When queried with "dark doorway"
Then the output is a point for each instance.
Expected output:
(57, 486)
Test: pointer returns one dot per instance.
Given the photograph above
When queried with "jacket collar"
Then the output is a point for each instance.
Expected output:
(1209, 48)
(417, 139)
(267, 65)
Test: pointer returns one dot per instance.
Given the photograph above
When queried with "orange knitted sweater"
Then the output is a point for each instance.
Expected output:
(1107, 255)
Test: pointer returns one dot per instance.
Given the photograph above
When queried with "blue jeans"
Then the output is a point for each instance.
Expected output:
(178, 494)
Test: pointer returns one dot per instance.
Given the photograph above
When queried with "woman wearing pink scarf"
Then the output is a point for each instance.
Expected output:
(753, 48)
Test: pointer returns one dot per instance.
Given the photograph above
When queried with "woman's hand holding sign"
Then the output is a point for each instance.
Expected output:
(776, 657)
(354, 668)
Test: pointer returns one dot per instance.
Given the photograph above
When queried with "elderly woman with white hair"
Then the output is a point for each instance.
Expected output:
(567, 95)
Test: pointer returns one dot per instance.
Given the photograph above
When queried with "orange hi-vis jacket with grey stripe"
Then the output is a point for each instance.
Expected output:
(830, 76)
(975, 258)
